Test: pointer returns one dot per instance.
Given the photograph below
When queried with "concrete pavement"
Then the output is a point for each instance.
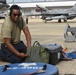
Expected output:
(50, 33)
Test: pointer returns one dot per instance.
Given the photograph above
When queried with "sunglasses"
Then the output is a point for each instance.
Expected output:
(16, 15)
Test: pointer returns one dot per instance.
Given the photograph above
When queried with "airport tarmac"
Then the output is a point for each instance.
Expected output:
(51, 32)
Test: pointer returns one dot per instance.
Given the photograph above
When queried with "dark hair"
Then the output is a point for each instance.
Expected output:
(14, 7)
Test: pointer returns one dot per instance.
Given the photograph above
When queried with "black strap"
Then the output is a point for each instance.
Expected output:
(36, 43)
(44, 67)
(5, 68)
(20, 26)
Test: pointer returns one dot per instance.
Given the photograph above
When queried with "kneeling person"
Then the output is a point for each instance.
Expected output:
(12, 49)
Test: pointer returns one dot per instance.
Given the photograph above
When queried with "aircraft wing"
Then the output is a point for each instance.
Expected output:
(54, 13)
(58, 13)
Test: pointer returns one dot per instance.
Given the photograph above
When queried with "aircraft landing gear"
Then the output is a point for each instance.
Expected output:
(45, 21)
(59, 20)
(65, 20)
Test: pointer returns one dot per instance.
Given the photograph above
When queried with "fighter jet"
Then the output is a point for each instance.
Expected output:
(58, 14)
(3, 6)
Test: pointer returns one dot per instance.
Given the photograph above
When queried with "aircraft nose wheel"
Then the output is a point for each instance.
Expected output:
(59, 20)
(65, 20)
(45, 21)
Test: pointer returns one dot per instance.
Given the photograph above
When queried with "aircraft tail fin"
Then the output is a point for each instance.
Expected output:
(42, 8)
(3, 4)
(74, 7)
(3, 1)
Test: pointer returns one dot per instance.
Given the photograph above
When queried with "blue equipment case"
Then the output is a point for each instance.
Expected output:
(27, 69)
(71, 55)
